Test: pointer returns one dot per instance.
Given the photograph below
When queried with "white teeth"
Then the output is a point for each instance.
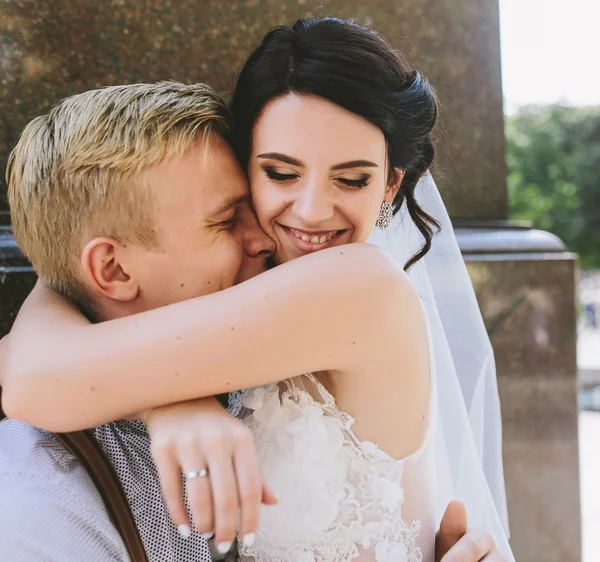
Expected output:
(314, 239)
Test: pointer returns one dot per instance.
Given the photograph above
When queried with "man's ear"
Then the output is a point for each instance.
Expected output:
(106, 270)
(393, 185)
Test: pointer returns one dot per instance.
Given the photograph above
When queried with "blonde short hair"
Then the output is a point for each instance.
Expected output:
(74, 174)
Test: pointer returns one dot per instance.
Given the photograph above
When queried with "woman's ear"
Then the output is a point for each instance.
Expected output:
(393, 185)
(106, 270)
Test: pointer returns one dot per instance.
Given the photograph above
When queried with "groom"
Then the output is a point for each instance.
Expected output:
(31, 487)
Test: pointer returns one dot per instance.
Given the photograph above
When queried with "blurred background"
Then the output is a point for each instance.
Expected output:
(519, 152)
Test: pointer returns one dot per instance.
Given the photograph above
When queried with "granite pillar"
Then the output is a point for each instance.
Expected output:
(53, 48)
(525, 284)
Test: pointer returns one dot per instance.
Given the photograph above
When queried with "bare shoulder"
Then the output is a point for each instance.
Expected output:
(372, 264)
(376, 274)
(363, 258)
(389, 393)
(385, 284)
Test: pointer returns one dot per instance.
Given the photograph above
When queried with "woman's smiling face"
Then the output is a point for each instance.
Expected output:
(318, 175)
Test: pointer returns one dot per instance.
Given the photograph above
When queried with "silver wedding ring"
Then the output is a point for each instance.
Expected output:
(196, 474)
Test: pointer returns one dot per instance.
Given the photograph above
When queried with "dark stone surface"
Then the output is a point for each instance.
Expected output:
(528, 303)
(16, 278)
(15, 285)
(53, 48)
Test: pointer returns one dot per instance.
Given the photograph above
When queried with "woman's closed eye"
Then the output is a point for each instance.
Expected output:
(355, 183)
(280, 176)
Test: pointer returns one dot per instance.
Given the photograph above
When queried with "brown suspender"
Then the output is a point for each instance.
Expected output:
(83, 446)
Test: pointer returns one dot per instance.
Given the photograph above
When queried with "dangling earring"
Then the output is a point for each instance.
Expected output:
(385, 216)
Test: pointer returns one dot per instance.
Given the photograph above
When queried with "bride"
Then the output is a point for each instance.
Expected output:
(365, 452)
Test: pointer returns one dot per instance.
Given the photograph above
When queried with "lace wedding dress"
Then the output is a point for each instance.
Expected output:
(339, 498)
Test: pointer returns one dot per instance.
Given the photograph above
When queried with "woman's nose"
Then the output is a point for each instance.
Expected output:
(312, 206)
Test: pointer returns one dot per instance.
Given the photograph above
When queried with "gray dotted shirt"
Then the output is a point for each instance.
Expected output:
(127, 445)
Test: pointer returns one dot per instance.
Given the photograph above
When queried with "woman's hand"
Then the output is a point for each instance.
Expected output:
(201, 437)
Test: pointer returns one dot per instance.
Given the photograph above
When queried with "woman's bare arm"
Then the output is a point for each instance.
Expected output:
(326, 311)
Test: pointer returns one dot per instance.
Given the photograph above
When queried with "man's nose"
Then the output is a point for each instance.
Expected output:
(258, 247)
(256, 243)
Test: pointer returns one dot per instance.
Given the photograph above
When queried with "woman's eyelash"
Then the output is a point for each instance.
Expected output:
(273, 175)
(357, 184)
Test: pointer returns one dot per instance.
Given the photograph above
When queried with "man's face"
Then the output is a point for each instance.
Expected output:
(209, 238)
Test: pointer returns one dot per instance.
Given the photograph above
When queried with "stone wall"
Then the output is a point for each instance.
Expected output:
(50, 49)
(527, 302)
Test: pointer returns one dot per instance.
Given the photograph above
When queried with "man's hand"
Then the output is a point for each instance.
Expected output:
(201, 435)
(455, 543)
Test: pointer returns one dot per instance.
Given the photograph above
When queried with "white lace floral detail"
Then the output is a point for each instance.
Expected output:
(234, 406)
(339, 498)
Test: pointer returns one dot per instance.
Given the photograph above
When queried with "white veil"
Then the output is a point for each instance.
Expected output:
(468, 436)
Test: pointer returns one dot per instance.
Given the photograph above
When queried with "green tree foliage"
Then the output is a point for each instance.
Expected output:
(553, 156)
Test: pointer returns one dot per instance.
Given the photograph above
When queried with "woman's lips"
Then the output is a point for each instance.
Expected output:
(308, 241)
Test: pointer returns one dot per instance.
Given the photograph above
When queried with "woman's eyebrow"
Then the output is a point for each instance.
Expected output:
(295, 162)
(282, 158)
(355, 164)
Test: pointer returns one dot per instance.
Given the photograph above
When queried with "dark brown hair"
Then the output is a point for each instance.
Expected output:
(353, 67)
